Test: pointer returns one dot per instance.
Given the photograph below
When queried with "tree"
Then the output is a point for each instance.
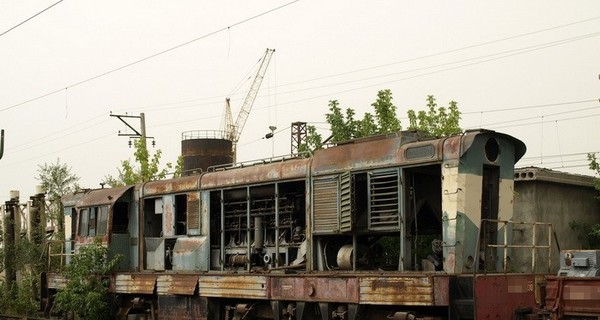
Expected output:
(86, 290)
(385, 113)
(595, 166)
(437, 121)
(58, 180)
(148, 169)
(590, 233)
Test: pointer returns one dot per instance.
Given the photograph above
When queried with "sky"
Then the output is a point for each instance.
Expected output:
(526, 68)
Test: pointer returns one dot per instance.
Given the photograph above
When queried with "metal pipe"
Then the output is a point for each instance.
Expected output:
(258, 233)
(1, 143)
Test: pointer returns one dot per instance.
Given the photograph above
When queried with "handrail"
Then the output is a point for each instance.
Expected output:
(62, 254)
(506, 245)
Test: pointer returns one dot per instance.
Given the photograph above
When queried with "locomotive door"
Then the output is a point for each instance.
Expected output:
(489, 210)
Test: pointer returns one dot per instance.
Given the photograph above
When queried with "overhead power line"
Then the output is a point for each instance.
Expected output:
(446, 51)
(150, 56)
(33, 16)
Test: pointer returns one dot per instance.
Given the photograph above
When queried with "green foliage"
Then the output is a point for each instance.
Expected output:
(436, 121)
(385, 112)
(595, 166)
(588, 234)
(21, 299)
(312, 142)
(86, 290)
(591, 233)
(346, 127)
(28, 260)
(148, 169)
(58, 180)
(342, 127)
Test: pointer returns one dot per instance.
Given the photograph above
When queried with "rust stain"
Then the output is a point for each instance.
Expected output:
(402, 290)
(154, 188)
(102, 196)
(326, 289)
(285, 170)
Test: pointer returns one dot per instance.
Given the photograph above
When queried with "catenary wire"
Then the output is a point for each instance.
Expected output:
(24, 21)
(150, 56)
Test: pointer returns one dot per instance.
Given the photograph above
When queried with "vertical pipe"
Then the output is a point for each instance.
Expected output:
(248, 244)
(549, 246)
(258, 233)
(1, 143)
(277, 225)
(222, 231)
(505, 246)
(533, 248)
(11, 234)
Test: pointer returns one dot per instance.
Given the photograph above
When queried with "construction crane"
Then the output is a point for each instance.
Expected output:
(234, 130)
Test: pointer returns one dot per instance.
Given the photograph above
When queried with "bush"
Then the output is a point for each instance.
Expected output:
(86, 290)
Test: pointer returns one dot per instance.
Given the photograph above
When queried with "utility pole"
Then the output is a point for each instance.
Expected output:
(298, 135)
(140, 134)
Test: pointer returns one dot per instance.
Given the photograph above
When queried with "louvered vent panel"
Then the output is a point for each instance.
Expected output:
(384, 192)
(193, 212)
(345, 202)
(325, 205)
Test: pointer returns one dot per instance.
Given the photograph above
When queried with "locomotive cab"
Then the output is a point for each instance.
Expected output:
(107, 214)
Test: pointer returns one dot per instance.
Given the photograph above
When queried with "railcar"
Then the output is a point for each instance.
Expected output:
(387, 227)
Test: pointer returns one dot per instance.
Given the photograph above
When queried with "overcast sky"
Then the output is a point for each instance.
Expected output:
(526, 68)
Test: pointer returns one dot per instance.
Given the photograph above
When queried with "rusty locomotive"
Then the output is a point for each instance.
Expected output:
(386, 227)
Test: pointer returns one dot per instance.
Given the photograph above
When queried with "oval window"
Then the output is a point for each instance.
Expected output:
(492, 150)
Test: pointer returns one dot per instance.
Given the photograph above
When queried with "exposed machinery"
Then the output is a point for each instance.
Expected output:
(580, 263)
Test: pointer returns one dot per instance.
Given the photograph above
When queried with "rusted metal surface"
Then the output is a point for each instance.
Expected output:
(573, 296)
(71, 199)
(498, 296)
(276, 171)
(181, 284)
(193, 212)
(359, 156)
(322, 289)
(99, 197)
(182, 308)
(154, 188)
(199, 154)
(56, 280)
(189, 254)
(168, 216)
(441, 290)
(234, 286)
(133, 283)
(397, 290)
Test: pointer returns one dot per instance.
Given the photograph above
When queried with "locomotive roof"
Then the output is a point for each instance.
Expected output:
(102, 196)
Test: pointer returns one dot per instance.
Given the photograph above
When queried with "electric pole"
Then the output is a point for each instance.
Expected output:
(139, 134)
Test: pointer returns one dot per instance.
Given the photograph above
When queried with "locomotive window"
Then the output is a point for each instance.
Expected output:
(92, 221)
(102, 217)
(120, 218)
(492, 150)
(180, 214)
(83, 222)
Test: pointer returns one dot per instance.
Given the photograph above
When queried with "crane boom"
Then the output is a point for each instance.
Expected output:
(237, 128)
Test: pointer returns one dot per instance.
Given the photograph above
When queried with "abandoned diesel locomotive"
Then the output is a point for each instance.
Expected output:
(386, 227)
